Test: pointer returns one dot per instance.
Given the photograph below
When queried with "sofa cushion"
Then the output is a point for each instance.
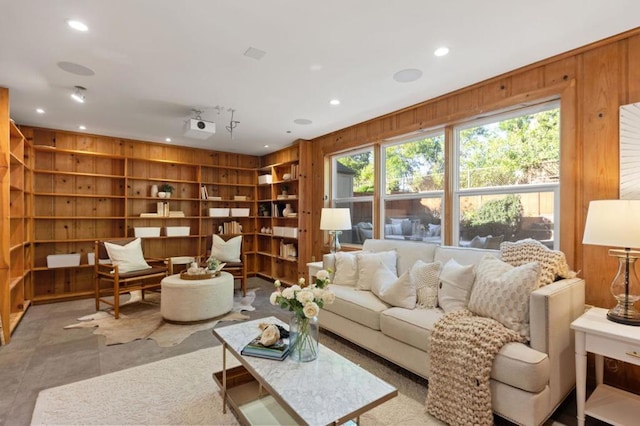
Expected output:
(362, 307)
(455, 282)
(462, 255)
(502, 291)
(408, 251)
(516, 364)
(368, 264)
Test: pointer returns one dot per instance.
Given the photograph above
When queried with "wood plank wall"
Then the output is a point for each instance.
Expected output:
(592, 82)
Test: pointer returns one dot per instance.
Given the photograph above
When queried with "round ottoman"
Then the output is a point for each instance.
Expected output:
(196, 300)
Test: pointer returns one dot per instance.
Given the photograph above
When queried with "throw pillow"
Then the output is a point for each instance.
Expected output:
(493, 243)
(434, 230)
(346, 265)
(226, 251)
(502, 291)
(553, 263)
(369, 263)
(424, 277)
(396, 291)
(129, 257)
(455, 284)
(478, 242)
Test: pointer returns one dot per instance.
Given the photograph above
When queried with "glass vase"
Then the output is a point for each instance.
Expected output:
(303, 338)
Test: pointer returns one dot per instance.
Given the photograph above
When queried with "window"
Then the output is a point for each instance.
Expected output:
(413, 182)
(506, 185)
(353, 187)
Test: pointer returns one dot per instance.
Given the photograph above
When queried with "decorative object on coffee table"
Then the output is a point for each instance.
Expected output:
(305, 303)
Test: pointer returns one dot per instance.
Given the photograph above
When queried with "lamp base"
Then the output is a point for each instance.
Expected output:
(628, 318)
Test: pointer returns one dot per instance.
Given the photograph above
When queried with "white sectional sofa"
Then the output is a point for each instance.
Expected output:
(528, 381)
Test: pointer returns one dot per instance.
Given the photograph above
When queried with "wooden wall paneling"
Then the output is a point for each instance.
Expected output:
(5, 254)
(600, 85)
(633, 70)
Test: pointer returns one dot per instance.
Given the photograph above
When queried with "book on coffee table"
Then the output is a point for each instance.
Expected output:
(278, 350)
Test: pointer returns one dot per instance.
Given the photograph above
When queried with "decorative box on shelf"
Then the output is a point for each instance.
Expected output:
(146, 231)
(218, 212)
(263, 179)
(243, 212)
(63, 260)
(177, 231)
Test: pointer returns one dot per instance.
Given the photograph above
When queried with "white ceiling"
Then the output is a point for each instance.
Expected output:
(156, 60)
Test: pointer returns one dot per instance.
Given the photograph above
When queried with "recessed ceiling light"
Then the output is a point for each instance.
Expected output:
(302, 121)
(441, 51)
(76, 69)
(168, 139)
(407, 76)
(82, 127)
(40, 111)
(315, 67)
(266, 146)
(334, 101)
(77, 25)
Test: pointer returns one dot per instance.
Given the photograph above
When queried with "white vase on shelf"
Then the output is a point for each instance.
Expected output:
(287, 210)
(162, 194)
(154, 190)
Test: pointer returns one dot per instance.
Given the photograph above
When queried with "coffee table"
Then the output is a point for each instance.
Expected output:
(329, 390)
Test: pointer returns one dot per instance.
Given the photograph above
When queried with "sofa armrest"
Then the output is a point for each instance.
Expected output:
(552, 310)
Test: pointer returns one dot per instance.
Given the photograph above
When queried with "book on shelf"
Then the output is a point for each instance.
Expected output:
(278, 350)
(215, 198)
(149, 215)
(204, 194)
(176, 213)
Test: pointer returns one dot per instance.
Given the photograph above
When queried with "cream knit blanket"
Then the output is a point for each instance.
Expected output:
(461, 352)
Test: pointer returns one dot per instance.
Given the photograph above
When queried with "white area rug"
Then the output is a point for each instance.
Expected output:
(180, 391)
(141, 319)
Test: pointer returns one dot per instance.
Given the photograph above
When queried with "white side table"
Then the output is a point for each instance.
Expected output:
(314, 267)
(596, 334)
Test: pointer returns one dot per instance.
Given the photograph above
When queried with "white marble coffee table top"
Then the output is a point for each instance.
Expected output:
(329, 389)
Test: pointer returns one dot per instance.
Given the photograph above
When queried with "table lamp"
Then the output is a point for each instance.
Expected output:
(335, 220)
(617, 223)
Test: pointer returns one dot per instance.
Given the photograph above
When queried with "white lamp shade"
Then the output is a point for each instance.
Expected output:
(335, 219)
(613, 223)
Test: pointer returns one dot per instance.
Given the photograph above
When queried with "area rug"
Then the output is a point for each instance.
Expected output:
(141, 319)
(180, 391)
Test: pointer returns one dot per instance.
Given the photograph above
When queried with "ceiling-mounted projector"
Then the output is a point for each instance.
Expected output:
(199, 129)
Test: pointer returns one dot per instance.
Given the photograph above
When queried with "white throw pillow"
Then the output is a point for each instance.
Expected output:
(346, 265)
(369, 263)
(226, 251)
(396, 291)
(424, 277)
(455, 285)
(502, 291)
(129, 257)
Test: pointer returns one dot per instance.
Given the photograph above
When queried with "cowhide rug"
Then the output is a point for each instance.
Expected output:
(141, 319)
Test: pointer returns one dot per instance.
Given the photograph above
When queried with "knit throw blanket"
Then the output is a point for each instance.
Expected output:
(462, 349)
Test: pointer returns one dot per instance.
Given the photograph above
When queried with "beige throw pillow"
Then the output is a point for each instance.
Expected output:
(369, 263)
(396, 291)
(129, 257)
(553, 263)
(424, 277)
(502, 291)
(455, 284)
(226, 251)
(346, 265)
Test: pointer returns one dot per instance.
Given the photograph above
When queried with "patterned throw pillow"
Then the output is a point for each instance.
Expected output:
(553, 264)
(424, 277)
(502, 291)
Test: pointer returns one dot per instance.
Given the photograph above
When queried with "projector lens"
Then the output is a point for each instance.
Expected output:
(201, 125)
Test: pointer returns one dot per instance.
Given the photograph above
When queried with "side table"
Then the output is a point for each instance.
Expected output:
(596, 334)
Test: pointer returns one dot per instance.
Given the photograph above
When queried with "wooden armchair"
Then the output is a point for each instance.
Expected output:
(237, 269)
(124, 271)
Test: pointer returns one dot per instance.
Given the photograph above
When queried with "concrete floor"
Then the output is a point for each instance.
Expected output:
(42, 354)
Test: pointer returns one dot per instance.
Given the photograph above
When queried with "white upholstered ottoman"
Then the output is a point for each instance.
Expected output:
(196, 300)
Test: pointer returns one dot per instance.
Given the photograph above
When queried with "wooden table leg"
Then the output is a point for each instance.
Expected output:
(581, 375)
(224, 378)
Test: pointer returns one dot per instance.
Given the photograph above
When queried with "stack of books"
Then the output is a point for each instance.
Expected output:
(278, 350)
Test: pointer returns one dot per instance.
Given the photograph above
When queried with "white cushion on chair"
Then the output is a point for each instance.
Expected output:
(129, 257)
(226, 251)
